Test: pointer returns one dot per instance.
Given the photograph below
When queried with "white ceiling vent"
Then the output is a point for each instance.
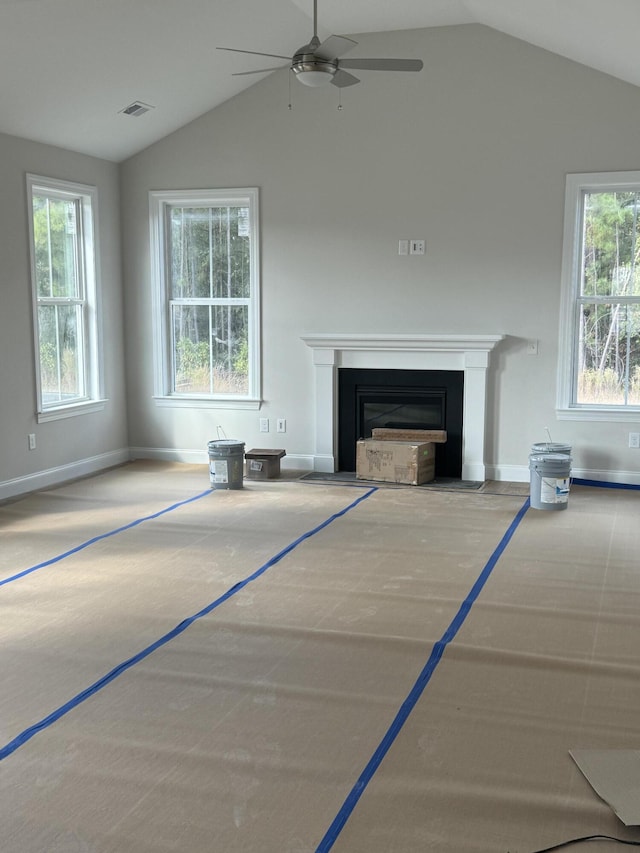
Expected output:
(137, 108)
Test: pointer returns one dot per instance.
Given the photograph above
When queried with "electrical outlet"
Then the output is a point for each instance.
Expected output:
(403, 247)
(32, 440)
(264, 424)
(634, 439)
(281, 425)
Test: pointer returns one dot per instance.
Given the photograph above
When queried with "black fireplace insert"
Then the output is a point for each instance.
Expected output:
(401, 399)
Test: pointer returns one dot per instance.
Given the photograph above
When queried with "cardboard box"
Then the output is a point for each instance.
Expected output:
(263, 463)
(407, 462)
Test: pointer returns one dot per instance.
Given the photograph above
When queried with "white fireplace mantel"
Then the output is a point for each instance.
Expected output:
(469, 353)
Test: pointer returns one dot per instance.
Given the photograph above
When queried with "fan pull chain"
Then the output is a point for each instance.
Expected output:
(289, 75)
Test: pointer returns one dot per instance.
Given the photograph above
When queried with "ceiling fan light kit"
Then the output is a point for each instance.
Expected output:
(314, 73)
(317, 64)
(313, 76)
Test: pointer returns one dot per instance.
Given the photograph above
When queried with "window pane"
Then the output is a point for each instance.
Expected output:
(55, 234)
(609, 354)
(61, 376)
(611, 245)
(210, 252)
(210, 349)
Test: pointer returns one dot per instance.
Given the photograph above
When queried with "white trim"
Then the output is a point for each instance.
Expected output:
(468, 353)
(92, 360)
(576, 186)
(290, 462)
(171, 454)
(508, 473)
(622, 478)
(159, 201)
(612, 415)
(21, 486)
(159, 315)
(183, 402)
(58, 414)
(63, 473)
(456, 344)
(522, 474)
(297, 462)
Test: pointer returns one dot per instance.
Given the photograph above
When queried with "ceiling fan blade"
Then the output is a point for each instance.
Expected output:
(383, 64)
(342, 79)
(258, 71)
(335, 46)
(254, 52)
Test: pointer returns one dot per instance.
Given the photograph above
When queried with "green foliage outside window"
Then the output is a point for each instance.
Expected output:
(609, 301)
(58, 288)
(209, 289)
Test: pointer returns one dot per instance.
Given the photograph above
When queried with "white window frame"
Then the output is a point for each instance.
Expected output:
(577, 185)
(160, 203)
(88, 254)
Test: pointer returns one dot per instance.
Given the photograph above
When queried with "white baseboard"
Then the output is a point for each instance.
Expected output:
(300, 462)
(621, 478)
(167, 454)
(297, 462)
(521, 474)
(507, 473)
(294, 462)
(325, 464)
(62, 473)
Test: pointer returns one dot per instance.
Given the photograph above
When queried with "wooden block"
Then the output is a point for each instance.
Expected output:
(437, 436)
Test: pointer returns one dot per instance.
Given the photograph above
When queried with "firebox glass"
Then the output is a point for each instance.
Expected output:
(397, 415)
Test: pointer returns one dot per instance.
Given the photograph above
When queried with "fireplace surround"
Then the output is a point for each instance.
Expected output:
(468, 353)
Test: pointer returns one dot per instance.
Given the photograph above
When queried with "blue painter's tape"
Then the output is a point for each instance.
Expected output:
(416, 692)
(95, 539)
(601, 484)
(47, 721)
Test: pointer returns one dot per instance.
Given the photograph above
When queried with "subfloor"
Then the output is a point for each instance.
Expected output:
(303, 666)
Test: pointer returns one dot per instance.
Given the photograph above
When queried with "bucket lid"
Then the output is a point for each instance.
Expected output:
(225, 442)
(550, 447)
(550, 458)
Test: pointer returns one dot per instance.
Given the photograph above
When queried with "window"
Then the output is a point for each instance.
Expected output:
(206, 297)
(600, 315)
(64, 286)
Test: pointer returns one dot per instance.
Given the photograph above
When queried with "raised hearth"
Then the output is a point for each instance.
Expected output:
(468, 353)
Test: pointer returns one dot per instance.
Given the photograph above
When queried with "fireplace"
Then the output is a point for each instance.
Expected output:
(466, 353)
(401, 399)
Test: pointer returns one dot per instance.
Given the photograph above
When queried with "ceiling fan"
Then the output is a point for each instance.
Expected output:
(316, 64)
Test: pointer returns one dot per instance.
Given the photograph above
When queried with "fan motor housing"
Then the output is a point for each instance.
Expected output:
(304, 62)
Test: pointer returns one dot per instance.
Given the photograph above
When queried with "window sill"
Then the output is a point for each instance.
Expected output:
(58, 414)
(207, 403)
(600, 414)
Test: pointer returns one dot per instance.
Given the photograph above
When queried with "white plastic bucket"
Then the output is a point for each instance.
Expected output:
(226, 463)
(550, 480)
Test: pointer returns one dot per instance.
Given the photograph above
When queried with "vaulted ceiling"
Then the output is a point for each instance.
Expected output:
(69, 67)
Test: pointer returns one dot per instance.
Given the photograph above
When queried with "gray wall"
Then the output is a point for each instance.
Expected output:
(471, 154)
(77, 445)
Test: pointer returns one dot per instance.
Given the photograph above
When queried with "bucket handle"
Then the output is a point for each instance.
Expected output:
(221, 432)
